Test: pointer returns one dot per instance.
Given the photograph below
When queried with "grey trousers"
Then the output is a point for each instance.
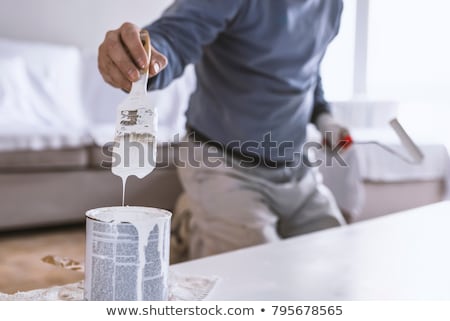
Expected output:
(232, 207)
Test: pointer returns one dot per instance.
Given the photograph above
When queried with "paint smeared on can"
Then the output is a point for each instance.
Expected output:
(127, 254)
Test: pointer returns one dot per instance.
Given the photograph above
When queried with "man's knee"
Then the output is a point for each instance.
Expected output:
(219, 236)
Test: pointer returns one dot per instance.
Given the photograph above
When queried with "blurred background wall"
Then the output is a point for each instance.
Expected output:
(76, 22)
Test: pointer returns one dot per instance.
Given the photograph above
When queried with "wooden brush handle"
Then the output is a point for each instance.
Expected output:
(145, 39)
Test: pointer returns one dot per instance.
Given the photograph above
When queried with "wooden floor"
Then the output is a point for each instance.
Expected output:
(21, 268)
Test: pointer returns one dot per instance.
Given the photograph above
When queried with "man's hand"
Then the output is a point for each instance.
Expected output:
(122, 55)
(333, 133)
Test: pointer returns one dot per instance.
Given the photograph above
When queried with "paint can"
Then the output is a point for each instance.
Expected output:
(127, 254)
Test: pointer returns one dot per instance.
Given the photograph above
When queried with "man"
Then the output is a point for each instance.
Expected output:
(258, 86)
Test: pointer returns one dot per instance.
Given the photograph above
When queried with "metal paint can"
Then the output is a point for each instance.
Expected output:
(127, 254)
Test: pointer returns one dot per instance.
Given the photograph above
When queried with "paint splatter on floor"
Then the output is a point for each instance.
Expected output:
(21, 267)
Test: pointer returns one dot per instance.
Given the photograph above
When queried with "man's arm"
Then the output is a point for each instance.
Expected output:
(320, 104)
(333, 133)
(184, 29)
(178, 37)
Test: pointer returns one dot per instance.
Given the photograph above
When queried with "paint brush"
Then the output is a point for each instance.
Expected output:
(134, 149)
(136, 127)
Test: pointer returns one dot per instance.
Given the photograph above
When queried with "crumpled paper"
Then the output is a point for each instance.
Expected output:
(190, 288)
(69, 292)
(181, 288)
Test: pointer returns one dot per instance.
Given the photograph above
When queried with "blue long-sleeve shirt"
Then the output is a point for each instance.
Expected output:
(257, 64)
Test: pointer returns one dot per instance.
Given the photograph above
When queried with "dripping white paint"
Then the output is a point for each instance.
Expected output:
(133, 154)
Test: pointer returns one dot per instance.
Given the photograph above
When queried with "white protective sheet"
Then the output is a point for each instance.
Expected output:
(53, 96)
(40, 100)
(45, 76)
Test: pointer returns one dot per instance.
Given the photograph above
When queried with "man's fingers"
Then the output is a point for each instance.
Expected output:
(129, 35)
(112, 49)
(119, 56)
(117, 76)
(112, 75)
(158, 63)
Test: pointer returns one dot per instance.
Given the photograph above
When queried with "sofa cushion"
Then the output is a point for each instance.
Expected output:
(45, 160)
(101, 157)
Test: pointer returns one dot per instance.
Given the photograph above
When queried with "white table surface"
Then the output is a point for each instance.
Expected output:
(400, 256)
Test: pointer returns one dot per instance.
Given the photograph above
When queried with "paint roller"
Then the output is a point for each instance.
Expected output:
(415, 154)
